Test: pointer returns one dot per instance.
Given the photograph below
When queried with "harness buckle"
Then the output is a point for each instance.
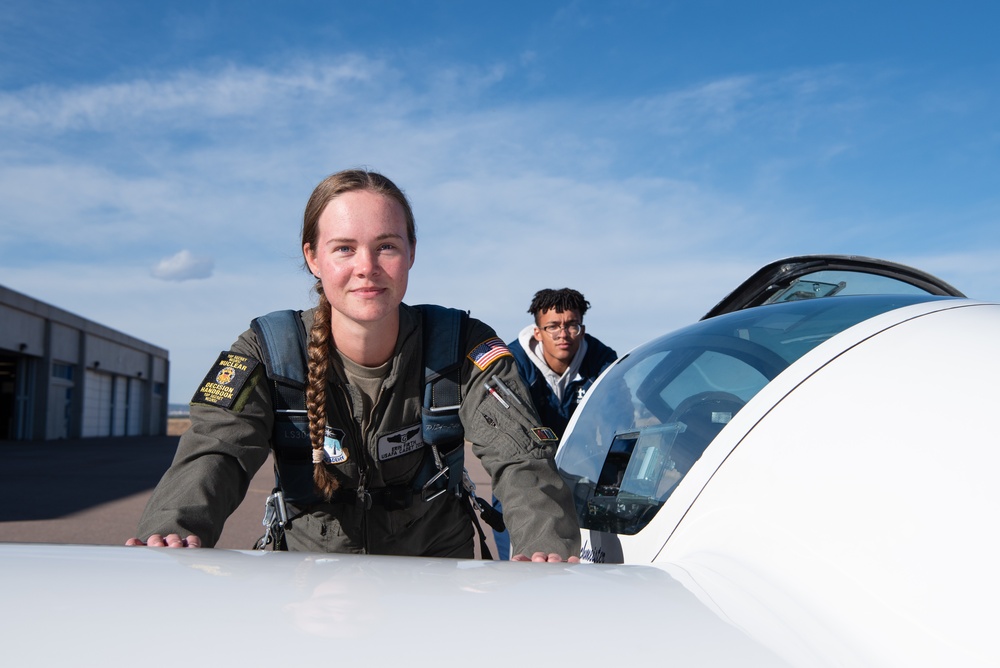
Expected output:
(275, 519)
(469, 486)
(278, 501)
(424, 490)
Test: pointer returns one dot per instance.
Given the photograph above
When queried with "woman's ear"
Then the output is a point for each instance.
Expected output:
(310, 259)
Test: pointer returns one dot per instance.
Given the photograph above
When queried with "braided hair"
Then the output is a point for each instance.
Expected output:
(320, 346)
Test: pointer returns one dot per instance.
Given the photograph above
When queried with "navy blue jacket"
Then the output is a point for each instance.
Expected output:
(554, 414)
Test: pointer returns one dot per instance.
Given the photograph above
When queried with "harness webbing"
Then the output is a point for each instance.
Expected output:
(283, 341)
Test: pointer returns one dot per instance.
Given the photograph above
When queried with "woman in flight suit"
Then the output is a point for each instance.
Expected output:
(363, 399)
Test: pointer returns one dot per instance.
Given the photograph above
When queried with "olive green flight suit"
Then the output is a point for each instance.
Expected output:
(224, 448)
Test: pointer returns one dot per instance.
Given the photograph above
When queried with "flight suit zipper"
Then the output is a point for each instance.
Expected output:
(376, 402)
(362, 498)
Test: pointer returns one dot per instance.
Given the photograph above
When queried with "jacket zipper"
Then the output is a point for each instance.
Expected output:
(362, 490)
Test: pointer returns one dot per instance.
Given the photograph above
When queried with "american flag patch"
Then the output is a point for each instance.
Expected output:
(488, 352)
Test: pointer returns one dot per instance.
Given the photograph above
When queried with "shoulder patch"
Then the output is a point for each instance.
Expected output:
(225, 380)
(544, 434)
(488, 352)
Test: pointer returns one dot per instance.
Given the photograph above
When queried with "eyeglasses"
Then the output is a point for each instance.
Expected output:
(572, 328)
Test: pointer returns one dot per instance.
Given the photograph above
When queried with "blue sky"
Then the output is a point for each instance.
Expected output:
(155, 158)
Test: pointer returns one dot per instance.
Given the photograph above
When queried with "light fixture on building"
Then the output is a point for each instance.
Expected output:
(22, 347)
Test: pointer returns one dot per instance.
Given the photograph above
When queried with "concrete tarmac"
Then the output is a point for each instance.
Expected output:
(92, 491)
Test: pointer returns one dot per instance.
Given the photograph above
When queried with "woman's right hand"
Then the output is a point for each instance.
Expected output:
(170, 540)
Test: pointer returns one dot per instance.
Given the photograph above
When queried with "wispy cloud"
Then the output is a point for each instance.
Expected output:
(654, 206)
(183, 266)
(184, 98)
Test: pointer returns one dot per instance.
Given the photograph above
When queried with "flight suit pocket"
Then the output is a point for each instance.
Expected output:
(514, 434)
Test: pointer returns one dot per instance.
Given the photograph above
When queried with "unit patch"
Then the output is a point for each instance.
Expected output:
(488, 352)
(226, 380)
(400, 443)
(544, 434)
(333, 446)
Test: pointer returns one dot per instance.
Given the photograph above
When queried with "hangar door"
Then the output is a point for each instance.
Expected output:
(16, 387)
(112, 405)
(97, 402)
(119, 406)
(135, 408)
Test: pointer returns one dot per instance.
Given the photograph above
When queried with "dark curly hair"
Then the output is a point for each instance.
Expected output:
(566, 299)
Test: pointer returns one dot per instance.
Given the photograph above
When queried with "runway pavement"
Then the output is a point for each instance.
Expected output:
(92, 491)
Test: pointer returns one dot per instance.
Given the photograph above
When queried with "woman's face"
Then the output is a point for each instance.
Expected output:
(362, 256)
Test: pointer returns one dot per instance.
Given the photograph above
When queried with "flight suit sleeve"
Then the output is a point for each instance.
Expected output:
(218, 455)
(516, 451)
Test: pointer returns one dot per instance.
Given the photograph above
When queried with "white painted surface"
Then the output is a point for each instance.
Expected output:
(860, 511)
(119, 606)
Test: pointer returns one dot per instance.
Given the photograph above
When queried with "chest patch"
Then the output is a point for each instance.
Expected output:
(333, 446)
(400, 443)
(225, 380)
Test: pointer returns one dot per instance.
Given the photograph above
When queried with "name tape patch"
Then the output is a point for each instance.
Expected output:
(225, 380)
(400, 443)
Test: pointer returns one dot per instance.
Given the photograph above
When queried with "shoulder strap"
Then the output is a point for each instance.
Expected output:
(444, 349)
(440, 425)
(443, 329)
(282, 338)
(283, 341)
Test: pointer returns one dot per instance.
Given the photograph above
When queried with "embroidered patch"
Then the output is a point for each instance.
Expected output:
(225, 380)
(488, 352)
(544, 434)
(400, 443)
(333, 446)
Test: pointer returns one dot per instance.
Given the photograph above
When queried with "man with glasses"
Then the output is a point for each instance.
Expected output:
(558, 361)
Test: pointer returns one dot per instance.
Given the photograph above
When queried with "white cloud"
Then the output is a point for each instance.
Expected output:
(654, 207)
(184, 98)
(183, 266)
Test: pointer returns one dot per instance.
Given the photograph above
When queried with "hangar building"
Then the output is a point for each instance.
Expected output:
(62, 376)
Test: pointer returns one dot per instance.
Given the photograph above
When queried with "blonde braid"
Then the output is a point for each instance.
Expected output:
(319, 364)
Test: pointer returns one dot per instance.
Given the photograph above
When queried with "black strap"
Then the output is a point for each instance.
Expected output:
(484, 549)
(441, 428)
(442, 355)
(491, 516)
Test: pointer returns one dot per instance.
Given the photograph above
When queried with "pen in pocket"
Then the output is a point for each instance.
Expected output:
(506, 390)
(496, 395)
